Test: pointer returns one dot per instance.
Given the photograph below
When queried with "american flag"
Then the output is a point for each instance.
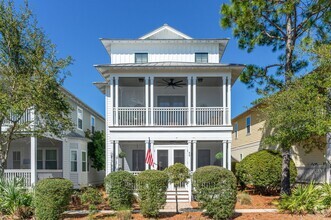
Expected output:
(149, 156)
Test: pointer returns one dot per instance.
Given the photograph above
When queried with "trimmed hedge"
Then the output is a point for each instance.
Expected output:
(52, 196)
(152, 186)
(263, 170)
(216, 191)
(119, 187)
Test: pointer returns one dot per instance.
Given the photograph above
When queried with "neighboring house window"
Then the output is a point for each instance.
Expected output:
(201, 57)
(51, 160)
(92, 124)
(236, 130)
(73, 160)
(79, 118)
(84, 161)
(248, 125)
(141, 57)
(16, 160)
(40, 160)
(203, 158)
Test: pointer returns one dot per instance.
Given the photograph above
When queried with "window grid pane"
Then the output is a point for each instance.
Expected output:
(141, 57)
(201, 57)
(84, 161)
(73, 159)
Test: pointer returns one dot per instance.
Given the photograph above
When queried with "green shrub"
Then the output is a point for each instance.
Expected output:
(91, 196)
(244, 198)
(152, 186)
(215, 190)
(52, 196)
(119, 187)
(306, 199)
(263, 170)
(15, 199)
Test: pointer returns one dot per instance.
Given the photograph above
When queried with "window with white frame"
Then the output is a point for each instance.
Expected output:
(73, 160)
(92, 124)
(51, 159)
(79, 118)
(40, 162)
(248, 125)
(236, 130)
(16, 159)
(201, 57)
(141, 57)
(84, 161)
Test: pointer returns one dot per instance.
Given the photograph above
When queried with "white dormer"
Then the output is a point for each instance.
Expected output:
(165, 32)
(165, 44)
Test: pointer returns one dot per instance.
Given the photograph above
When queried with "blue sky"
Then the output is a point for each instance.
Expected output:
(75, 26)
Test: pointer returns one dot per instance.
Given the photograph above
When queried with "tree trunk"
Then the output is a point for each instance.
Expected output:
(2, 163)
(176, 201)
(285, 181)
(286, 154)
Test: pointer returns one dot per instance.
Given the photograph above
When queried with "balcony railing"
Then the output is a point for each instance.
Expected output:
(171, 116)
(26, 117)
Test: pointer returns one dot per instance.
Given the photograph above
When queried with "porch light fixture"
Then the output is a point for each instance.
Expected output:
(200, 80)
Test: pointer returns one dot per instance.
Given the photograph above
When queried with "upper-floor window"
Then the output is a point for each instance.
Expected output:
(92, 124)
(79, 118)
(248, 125)
(201, 57)
(141, 57)
(236, 130)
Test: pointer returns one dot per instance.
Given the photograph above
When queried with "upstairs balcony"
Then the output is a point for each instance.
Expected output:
(169, 101)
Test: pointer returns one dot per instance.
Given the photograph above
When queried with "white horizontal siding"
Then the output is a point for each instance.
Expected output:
(124, 53)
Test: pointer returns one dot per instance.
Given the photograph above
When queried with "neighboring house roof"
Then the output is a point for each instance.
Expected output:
(74, 134)
(81, 103)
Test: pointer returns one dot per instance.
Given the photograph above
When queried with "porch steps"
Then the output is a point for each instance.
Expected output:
(182, 196)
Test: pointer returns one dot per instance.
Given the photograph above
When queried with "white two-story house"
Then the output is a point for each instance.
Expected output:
(36, 158)
(169, 92)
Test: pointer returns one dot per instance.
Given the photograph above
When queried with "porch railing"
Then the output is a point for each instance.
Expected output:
(131, 116)
(210, 115)
(25, 174)
(170, 116)
(26, 117)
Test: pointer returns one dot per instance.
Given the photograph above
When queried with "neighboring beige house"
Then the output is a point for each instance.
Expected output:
(246, 139)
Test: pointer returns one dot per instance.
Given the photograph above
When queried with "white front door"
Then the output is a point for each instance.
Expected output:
(168, 155)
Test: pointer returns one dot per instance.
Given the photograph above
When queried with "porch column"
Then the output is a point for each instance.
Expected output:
(110, 112)
(229, 99)
(33, 161)
(116, 154)
(224, 154)
(194, 155)
(194, 99)
(328, 157)
(224, 100)
(189, 155)
(116, 100)
(229, 155)
(152, 99)
(189, 91)
(146, 98)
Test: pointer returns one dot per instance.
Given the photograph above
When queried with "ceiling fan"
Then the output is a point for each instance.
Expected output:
(171, 82)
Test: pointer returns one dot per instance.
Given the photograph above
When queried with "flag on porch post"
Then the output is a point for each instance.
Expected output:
(149, 156)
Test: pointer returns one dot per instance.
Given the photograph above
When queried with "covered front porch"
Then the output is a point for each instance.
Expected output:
(193, 154)
(34, 159)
